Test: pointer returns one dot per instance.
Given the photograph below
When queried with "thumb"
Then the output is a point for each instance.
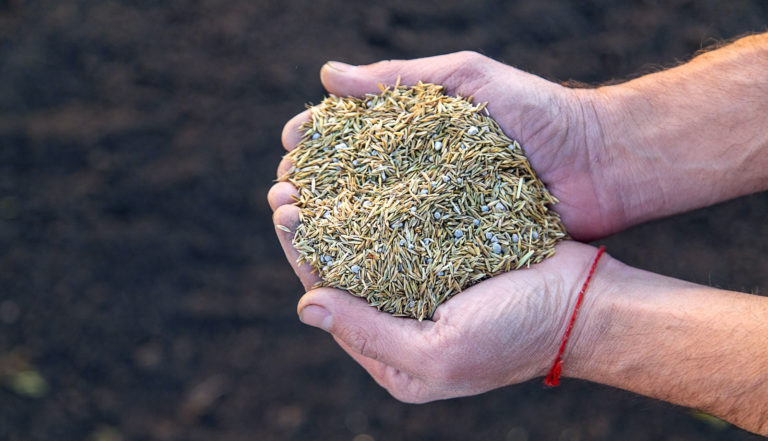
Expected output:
(461, 73)
(512, 95)
(396, 341)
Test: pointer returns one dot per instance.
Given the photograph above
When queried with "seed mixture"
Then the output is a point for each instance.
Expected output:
(410, 196)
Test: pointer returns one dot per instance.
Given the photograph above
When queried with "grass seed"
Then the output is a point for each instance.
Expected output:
(395, 193)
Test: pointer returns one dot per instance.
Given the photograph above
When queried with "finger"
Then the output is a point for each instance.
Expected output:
(509, 92)
(401, 385)
(284, 167)
(461, 73)
(396, 341)
(288, 216)
(282, 193)
(292, 130)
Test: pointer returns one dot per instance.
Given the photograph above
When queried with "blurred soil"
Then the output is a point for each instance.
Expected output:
(143, 295)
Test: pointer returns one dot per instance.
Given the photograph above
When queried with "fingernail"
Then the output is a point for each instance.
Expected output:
(339, 66)
(316, 316)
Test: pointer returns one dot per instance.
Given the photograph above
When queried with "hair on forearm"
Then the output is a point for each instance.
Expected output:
(707, 45)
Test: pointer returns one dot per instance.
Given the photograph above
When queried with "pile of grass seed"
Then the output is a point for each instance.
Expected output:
(410, 196)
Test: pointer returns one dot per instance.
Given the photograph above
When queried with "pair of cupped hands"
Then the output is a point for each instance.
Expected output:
(506, 329)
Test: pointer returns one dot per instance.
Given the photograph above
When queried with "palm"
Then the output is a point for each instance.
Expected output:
(505, 329)
(560, 147)
(502, 331)
(557, 127)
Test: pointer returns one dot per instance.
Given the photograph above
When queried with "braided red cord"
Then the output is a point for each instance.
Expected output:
(553, 377)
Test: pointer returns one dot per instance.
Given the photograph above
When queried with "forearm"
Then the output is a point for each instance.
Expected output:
(688, 344)
(689, 136)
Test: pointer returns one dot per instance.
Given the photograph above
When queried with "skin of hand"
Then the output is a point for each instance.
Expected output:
(557, 126)
(614, 156)
(507, 329)
(473, 344)
(504, 330)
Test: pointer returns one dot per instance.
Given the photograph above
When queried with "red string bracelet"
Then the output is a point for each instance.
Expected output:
(553, 377)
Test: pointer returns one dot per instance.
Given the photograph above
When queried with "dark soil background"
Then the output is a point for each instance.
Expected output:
(143, 294)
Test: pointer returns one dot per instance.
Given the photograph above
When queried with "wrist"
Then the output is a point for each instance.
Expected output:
(617, 178)
(622, 304)
(583, 355)
(690, 345)
(683, 138)
(578, 267)
(626, 180)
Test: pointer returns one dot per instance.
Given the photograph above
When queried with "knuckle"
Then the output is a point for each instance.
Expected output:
(470, 68)
(271, 195)
(281, 214)
(470, 58)
(382, 65)
(276, 215)
(283, 167)
(287, 133)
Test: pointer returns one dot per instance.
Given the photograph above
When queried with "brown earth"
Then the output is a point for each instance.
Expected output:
(139, 272)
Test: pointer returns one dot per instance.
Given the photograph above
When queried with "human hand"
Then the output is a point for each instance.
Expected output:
(502, 331)
(509, 325)
(634, 328)
(691, 345)
(557, 126)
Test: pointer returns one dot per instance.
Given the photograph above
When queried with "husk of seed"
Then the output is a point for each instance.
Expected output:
(410, 196)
